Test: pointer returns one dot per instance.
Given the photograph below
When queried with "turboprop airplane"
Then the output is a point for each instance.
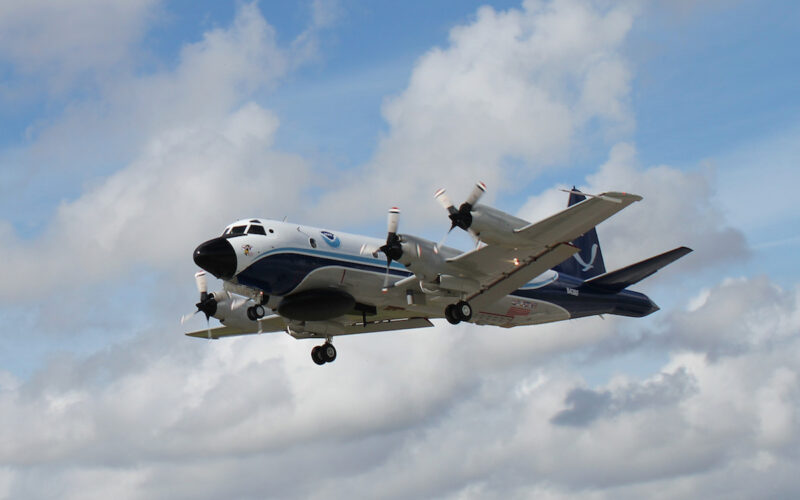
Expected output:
(316, 283)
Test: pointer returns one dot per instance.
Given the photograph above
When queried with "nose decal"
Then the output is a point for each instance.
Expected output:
(217, 257)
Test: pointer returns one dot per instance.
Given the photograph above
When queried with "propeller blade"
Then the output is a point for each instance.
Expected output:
(385, 287)
(201, 281)
(393, 220)
(476, 194)
(187, 317)
(444, 238)
(444, 200)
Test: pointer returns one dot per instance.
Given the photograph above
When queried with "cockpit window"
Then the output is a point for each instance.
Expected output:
(227, 231)
(256, 230)
(238, 229)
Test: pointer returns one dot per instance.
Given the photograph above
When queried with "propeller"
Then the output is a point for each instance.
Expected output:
(461, 216)
(393, 248)
(207, 304)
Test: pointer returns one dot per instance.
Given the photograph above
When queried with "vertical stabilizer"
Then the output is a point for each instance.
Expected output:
(587, 263)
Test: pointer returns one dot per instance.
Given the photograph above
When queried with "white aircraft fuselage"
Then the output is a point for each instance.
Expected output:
(319, 283)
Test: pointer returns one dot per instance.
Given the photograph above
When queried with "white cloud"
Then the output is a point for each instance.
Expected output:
(196, 138)
(448, 412)
(517, 84)
(679, 209)
(438, 413)
(67, 39)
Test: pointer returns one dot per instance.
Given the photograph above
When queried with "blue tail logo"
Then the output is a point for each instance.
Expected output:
(590, 264)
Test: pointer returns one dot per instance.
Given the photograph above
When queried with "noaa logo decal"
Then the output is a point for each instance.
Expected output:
(331, 239)
(590, 264)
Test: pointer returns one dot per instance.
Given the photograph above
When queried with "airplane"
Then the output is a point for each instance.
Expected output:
(316, 283)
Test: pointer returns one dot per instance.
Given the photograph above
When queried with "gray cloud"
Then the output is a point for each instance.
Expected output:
(586, 405)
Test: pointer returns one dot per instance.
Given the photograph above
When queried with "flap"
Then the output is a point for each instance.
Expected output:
(267, 324)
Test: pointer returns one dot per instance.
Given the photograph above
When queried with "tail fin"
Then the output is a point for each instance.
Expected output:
(627, 276)
(588, 262)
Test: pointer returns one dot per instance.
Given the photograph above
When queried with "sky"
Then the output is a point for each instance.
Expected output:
(134, 130)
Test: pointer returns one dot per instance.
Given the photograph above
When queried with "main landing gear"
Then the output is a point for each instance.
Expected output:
(458, 312)
(324, 353)
(256, 312)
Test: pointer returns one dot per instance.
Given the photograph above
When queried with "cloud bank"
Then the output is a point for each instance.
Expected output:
(450, 412)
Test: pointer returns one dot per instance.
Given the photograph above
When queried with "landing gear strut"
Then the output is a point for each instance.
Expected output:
(324, 353)
(458, 312)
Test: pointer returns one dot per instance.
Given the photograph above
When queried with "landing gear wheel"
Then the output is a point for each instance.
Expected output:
(327, 352)
(450, 314)
(463, 311)
(256, 312)
(260, 311)
(316, 355)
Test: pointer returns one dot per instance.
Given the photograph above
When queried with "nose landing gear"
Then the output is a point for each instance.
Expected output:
(324, 353)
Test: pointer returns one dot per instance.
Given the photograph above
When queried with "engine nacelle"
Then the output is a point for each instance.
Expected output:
(421, 256)
(232, 310)
(496, 227)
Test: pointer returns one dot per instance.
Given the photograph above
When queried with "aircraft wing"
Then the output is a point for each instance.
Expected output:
(500, 269)
(347, 327)
(267, 324)
(575, 220)
(510, 268)
(276, 323)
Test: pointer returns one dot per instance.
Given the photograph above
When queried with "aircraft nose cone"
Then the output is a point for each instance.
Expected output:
(217, 257)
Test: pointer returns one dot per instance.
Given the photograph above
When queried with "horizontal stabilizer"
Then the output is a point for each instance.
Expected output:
(627, 276)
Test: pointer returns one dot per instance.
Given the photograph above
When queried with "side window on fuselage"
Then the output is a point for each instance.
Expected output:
(254, 229)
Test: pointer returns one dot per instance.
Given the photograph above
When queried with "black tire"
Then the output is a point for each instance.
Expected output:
(316, 355)
(450, 315)
(463, 311)
(259, 311)
(327, 352)
(251, 314)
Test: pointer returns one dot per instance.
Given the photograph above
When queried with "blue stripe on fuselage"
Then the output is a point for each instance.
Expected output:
(570, 293)
(280, 271)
